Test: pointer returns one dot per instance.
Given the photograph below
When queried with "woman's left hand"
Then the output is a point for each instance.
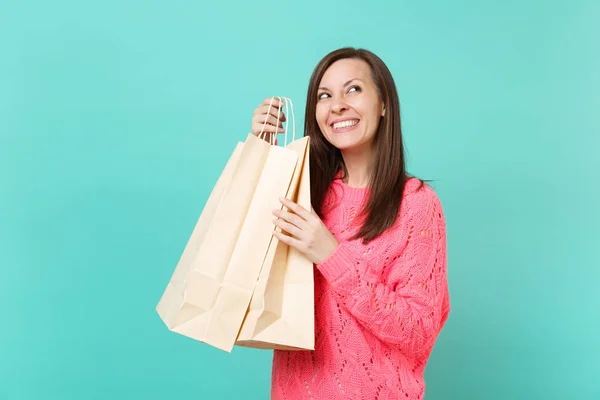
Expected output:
(307, 232)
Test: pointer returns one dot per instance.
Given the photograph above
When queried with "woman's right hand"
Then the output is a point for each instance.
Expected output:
(265, 121)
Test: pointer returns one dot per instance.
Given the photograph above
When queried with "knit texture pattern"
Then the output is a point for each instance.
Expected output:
(378, 307)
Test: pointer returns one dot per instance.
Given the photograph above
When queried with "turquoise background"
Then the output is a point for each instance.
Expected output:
(117, 117)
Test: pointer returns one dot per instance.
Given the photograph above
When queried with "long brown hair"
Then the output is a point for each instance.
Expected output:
(389, 174)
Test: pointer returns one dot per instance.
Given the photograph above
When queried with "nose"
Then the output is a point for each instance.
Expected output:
(338, 105)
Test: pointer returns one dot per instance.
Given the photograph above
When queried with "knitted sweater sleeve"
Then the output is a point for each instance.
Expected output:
(398, 289)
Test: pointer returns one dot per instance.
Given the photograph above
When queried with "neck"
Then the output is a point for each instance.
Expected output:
(359, 168)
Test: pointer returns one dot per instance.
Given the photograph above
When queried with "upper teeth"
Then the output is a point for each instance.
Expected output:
(345, 124)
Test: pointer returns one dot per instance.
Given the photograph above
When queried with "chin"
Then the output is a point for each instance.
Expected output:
(345, 143)
(346, 146)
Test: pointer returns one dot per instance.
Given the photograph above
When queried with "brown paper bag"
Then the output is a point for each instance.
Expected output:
(281, 313)
(210, 290)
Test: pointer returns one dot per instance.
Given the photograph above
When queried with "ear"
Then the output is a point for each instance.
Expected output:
(383, 111)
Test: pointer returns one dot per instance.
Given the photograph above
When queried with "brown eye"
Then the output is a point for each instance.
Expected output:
(322, 96)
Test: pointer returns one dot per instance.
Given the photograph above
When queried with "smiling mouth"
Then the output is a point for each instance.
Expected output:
(344, 126)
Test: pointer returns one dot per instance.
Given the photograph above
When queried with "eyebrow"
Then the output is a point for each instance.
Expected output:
(345, 84)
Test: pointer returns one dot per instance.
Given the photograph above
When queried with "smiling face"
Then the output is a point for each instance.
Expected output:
(349, 107)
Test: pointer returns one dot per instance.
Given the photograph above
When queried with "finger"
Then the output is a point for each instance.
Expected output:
(274, 102)
(272, 106)
(297, 209)
(267, 120)
(266, 110)
(274, 111)
(287, 227)
(289, 240)
(290, 218)
(259, 125)
(258, 128)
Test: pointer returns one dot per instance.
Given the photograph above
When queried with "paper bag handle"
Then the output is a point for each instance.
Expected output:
(288, 104)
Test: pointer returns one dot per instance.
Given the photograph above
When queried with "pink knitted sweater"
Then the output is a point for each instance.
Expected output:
(378, 307)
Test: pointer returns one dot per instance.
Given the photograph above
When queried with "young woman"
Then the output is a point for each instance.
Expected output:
(375, 235)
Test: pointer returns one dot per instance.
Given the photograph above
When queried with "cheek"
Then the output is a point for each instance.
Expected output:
(374, 113)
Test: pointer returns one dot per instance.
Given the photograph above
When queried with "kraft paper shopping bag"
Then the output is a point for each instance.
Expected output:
(281, 313)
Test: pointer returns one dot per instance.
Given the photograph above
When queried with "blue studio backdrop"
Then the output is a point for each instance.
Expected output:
(116, 118)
